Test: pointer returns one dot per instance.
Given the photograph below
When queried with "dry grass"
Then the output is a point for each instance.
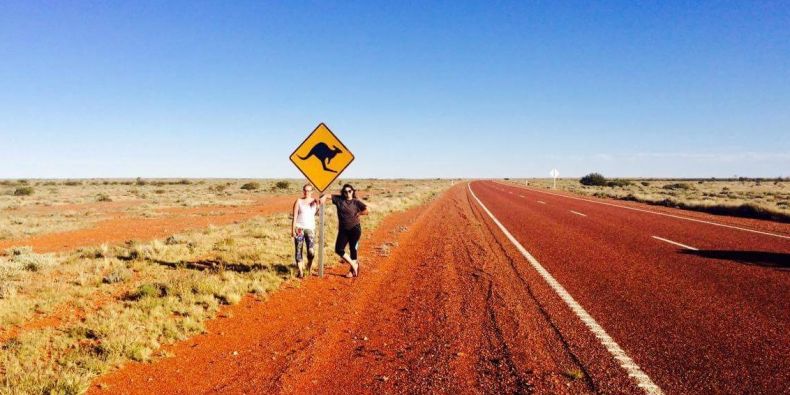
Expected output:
(764, 199)
(120, 303)
(61, 205)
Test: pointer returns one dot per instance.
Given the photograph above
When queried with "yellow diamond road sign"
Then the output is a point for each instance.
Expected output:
(322, 157)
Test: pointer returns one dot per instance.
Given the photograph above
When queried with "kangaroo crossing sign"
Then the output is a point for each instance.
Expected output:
(322, 157)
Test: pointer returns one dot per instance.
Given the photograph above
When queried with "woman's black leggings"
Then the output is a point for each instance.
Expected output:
(350, 237)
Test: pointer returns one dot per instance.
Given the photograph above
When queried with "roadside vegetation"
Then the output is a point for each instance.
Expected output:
(33, 207)
(66, 318)
(767, 199)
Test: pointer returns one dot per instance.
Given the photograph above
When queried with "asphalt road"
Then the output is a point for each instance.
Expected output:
(492, 288)
(698, 307)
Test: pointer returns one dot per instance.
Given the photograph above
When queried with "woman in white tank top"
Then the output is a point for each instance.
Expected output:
(303, 228)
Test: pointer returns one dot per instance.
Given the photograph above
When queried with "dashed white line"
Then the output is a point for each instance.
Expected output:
(632, 369)
(675, 243)
(658, 213)
(578, 213)
(541, 202)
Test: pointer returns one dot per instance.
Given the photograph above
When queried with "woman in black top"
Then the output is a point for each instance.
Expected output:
(349, 208)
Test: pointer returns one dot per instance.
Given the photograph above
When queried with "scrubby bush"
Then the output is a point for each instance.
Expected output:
(618, 183)
(103, 197)
(24, 191)
(149, 290)
(72, 183)
(174, 240)
(17, 251)
(593, 179)
(645, 183)
(678, 185)
(251, 186)
(218, 188)
(117, 276)
(7, 290)
(30, 261)
(184, 181)
(282, 184)
(139, 181)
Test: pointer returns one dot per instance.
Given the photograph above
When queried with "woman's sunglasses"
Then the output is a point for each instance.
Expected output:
(348, 190)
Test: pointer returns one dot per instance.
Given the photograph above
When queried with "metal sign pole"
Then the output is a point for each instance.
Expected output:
(321, 242)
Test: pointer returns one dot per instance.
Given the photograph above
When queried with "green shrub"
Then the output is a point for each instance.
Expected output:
(24, 191)
(72, 183)
(282, 184)
(103, 197)
(251, 186)
(593, 179)
(645, 183)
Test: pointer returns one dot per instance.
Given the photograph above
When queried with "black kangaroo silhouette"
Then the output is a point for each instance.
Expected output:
(323, 153)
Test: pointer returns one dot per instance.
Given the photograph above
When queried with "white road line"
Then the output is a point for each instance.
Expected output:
(628, 364)
(520, 195)
(541, 202)
(578, 213)
(658, 213)
(675, 243)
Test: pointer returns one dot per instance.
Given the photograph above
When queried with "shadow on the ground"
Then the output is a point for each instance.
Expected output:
(217, 265)
(776, 260)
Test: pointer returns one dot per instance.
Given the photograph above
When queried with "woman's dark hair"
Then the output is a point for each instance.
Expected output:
(353, 191)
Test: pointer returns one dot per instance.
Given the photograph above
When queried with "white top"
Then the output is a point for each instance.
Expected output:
(305, 217)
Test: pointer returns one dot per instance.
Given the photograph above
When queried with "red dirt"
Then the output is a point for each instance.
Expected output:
(452, 309)
(122, 228)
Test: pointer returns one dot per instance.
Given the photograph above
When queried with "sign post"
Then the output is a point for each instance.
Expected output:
(554, 174)
(321, 241)
(321, 157)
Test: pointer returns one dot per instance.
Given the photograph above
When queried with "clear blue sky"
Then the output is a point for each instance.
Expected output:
(415, 89)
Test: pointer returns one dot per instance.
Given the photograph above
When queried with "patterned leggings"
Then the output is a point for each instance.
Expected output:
(304, 236)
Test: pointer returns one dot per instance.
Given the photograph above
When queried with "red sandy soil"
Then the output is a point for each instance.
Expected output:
(119, 229)
(452, 309)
